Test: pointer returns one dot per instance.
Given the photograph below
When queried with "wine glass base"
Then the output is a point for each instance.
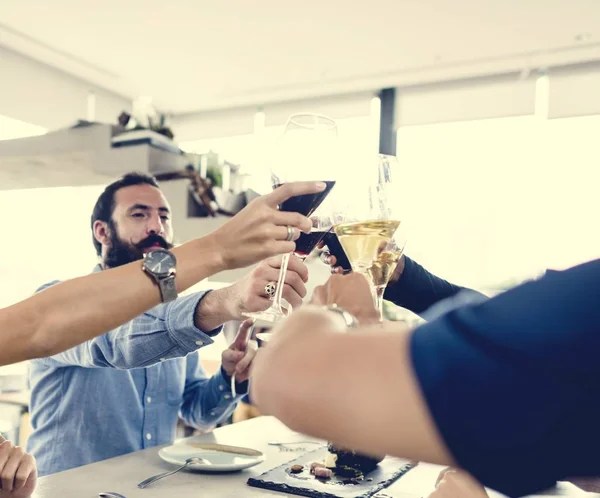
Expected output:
(265, 319)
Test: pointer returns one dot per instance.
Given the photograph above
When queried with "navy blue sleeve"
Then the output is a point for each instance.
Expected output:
(417, 289)
(513, 384)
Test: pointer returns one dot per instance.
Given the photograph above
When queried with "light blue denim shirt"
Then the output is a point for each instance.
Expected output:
(124, 391)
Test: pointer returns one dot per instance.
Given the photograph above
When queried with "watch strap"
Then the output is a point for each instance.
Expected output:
(168, 289)
(349, 318)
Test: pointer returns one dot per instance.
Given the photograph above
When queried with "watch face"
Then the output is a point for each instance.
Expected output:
(160, 261)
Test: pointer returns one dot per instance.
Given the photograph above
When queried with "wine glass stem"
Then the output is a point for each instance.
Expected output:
(280, 283)
(378, 292)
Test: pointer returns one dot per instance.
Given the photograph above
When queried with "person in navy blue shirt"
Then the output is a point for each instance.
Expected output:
(507, 389)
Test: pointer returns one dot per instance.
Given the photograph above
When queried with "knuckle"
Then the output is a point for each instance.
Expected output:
(292, 278)
(304, 221)
(273, 261)
(296, 219)
(255, 289)
(303, 273)
(259, 271)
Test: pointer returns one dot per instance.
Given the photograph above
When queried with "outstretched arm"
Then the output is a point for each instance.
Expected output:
(509, 381)
(77, 310)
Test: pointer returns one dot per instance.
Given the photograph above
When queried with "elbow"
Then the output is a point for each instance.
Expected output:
(44, 342)
(31, 335)
(47, 337)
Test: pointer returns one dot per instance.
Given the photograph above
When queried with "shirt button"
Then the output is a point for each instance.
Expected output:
(221, 387)
(163, 359)
(148, 400)
(199, 343)
(213, 413)
(149, 437)
(227, 396)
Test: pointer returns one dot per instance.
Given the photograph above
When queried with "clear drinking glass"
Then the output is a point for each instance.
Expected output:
(367, 224)
(307, 152)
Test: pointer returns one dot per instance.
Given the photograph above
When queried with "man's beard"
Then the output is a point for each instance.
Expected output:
(121, 252)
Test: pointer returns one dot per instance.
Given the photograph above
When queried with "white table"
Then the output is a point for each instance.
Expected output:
(122, 474)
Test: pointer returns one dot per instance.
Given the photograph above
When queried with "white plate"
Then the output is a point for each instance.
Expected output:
(220, 461)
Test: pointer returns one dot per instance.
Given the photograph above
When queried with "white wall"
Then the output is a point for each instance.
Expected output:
(186, 229)
(47, 236)
(38, 94)
(500, 200)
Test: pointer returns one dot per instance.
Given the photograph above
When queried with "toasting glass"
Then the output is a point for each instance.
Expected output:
(367, 226)
(306, 152)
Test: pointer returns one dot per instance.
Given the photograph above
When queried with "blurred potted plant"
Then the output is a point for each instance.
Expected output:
(156, 124)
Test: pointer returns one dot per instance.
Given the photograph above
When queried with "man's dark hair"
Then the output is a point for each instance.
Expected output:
(105, 205)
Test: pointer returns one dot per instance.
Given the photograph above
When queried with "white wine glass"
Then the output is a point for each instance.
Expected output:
(367, 224)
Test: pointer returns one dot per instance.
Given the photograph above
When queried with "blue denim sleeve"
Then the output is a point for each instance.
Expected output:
(207, 401)
(166, 331)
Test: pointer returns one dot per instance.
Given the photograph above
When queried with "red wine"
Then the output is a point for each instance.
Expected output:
(307, 242)
(336, 249)
(305, 204)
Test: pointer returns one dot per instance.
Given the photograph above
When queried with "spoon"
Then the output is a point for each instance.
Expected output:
(155, 478)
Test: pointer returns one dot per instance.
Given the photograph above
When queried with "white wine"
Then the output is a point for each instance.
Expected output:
(383, 267)
(364, 241)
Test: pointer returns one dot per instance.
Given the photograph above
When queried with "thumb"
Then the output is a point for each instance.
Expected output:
(241, 339)
(232, 356)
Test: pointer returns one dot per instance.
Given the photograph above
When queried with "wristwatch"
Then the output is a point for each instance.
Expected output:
(349, 318)
(160, 265)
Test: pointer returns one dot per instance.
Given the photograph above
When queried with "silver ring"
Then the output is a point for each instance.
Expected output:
(271, 289)
(290, 235)
(324, 256)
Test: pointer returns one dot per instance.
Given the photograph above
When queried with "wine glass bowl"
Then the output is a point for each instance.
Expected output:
(321, 227)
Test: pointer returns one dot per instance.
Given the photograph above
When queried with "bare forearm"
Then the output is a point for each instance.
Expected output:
(356, 389)
(80, 309)
(216, 309)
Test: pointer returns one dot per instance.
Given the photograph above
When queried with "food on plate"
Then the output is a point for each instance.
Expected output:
(296, 469)
(322, 472)
(343, 459)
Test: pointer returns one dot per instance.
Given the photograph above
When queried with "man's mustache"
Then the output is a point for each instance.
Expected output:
(152, 240)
